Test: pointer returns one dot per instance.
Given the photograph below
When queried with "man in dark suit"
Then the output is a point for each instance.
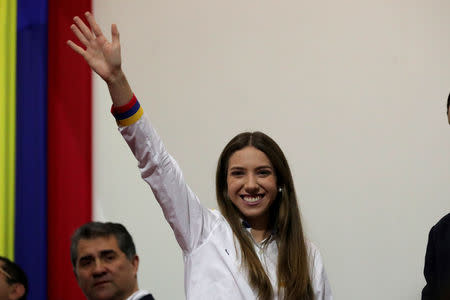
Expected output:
(105, 263)
(437, 258)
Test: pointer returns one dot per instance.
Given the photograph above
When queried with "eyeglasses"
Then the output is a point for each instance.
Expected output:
(9, 277)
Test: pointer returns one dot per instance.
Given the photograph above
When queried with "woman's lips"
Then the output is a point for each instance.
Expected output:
(252, 199)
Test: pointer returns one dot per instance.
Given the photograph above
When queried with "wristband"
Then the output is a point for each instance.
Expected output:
(129, 113)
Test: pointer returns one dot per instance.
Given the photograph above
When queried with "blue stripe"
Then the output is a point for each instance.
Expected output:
(129, 112)
(31, 145)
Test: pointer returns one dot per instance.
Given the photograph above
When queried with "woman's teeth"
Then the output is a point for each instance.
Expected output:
(251, 198)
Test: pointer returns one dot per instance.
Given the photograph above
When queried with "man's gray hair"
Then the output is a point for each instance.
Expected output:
(93, 230)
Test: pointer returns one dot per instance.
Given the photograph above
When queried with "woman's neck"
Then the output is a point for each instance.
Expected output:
(259, 235)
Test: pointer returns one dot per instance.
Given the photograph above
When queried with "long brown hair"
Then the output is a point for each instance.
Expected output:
(293, 269)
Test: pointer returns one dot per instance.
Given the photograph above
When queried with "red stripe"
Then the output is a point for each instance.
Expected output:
(124, 108)
(69, 146)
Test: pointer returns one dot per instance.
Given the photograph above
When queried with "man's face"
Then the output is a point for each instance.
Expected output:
(103, 271)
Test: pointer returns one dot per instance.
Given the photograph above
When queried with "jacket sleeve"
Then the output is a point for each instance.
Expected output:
(429, 291)
(190, 221)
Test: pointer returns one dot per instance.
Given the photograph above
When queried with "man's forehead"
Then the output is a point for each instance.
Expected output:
(97, 245)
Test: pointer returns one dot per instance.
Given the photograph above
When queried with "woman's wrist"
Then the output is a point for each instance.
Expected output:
(119, 89)
(116, 77)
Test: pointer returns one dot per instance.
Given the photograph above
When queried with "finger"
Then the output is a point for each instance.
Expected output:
(84, 29)
(78, 34)
(115, 38)
(94, 26)
(76, 48)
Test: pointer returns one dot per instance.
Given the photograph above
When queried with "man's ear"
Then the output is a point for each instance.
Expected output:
(17, 291)
(135, 263)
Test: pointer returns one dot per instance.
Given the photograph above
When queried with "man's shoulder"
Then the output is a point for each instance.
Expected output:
(440, 232)
(443, 223)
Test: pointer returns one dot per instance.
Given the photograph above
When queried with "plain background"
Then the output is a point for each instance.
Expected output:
(353, 91)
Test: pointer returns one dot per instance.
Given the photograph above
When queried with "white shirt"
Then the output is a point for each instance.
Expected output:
(211, 253)
(138, 295)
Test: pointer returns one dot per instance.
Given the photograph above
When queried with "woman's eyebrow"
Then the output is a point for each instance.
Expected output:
(264, 167)
(236, 168)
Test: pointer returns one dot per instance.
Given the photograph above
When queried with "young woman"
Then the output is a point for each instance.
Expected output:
(254, 247)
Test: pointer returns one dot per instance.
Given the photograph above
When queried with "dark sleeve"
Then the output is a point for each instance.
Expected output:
(429, 291)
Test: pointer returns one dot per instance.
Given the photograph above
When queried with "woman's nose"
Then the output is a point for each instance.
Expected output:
(251, 185)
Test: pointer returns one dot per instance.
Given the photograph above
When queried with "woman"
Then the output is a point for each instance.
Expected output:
(254, 247)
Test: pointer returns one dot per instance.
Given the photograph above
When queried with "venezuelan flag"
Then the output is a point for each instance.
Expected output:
(45, 142)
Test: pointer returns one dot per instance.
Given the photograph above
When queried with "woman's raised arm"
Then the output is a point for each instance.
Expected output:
(102, 56)
(190, 221)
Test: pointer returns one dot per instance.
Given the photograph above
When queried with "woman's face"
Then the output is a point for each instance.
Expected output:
(252, 184)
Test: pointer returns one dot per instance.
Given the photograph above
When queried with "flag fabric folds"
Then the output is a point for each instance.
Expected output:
(69, 145)
(45, 142)
(31, 144)
(7, 124)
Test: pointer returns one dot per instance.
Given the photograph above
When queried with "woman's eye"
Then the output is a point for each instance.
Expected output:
(264, 172)
(237, 173)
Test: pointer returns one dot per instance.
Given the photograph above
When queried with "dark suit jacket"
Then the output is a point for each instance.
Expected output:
(437, 262)
(147, 297)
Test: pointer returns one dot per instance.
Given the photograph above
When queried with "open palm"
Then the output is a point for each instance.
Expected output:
(102, 56)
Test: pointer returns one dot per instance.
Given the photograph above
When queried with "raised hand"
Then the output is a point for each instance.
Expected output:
(101, 55)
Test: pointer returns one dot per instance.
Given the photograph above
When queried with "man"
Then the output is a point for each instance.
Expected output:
(105, 263)
(437, 258)
(13, 281)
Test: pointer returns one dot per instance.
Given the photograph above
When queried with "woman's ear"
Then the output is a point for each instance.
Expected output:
(17, 290)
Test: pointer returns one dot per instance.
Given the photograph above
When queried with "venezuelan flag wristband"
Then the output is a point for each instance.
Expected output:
(129, 113)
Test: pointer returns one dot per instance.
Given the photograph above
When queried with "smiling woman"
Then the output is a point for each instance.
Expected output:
(255, 192)
(252, 187)
(262, 194)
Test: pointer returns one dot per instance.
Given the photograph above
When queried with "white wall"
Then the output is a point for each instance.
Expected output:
(353, 91)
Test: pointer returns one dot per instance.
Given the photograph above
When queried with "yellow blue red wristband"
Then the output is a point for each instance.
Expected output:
(129, 113)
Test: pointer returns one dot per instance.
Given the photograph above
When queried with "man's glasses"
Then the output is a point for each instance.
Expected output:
(9, 277)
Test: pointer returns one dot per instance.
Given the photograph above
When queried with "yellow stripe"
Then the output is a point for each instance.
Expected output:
(131, 120)
(8, 15)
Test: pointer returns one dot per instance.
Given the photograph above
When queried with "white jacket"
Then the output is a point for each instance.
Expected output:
(211, 253)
